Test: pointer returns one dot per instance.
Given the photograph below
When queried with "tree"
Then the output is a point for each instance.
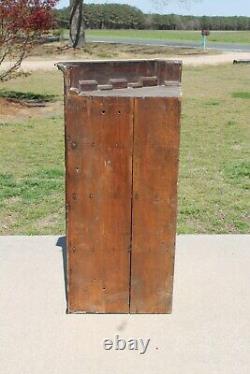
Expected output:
(115, 16)
(21, 24)
(77, 34)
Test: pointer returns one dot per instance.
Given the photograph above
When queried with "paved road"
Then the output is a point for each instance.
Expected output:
(171, 43)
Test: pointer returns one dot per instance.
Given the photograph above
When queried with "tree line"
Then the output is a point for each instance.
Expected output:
(122, 16)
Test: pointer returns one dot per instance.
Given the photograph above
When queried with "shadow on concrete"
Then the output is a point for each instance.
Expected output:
(61, 242)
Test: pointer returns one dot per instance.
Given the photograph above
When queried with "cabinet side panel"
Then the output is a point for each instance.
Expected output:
(99, 179)
(155, 172)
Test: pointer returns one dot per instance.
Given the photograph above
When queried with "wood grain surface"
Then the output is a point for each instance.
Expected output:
(121, 192)
(155, 167)
(99, 136)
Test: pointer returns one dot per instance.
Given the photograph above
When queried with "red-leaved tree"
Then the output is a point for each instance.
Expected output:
(22, 22)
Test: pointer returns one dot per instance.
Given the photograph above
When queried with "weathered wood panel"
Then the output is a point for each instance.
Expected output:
(99, 136)
(155, 166)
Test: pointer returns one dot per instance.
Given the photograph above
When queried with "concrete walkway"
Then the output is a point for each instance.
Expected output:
(208, 332)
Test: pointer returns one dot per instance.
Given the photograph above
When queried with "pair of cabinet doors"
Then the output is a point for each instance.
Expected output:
(121, 198)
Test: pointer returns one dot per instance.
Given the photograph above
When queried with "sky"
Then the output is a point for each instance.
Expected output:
(194, 7)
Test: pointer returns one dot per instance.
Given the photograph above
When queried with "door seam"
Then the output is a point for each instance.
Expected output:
(131, 204)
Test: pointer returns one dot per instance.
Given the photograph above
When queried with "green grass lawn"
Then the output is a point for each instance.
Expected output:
(215, 36)
(214, 157)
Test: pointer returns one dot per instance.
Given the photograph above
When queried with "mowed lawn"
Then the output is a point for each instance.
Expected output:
(214, 157)
(175, 35)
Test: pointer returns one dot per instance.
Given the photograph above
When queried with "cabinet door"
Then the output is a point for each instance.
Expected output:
(99, 140)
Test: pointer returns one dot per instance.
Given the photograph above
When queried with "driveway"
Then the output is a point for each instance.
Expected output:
(195, 60)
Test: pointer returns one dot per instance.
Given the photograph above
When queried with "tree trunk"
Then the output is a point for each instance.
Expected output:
(77, 33)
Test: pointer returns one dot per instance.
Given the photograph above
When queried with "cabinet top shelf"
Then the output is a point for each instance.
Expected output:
(134, 78)
(155, 91)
